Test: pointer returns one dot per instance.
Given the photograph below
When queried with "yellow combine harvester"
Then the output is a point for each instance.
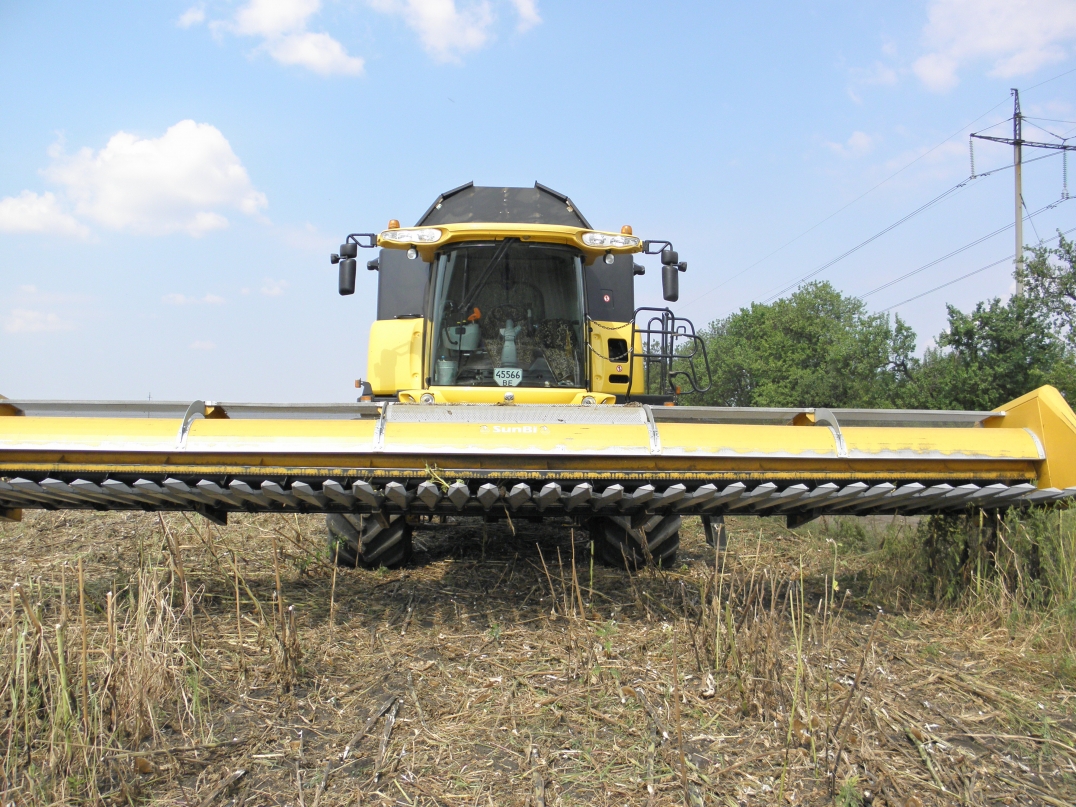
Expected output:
(511, 374)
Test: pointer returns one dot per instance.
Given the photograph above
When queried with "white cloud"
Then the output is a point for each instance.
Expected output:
(937, 71)
(274, 288)
(202, 345)
(878, 74)
(307, 237)
(858, 145)
(446, 32)
(271, 18)
(1052, 108)
(528, 14)
(183, 299)
(1018, 36)
(24, 320)
(32, 213)
(945, 155)
(195, 15)
(447, 29)
(282, 25)
(318, 52)
(175, 183)
(946, 162)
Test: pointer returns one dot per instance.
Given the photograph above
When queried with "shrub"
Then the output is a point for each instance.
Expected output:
(1030, 553)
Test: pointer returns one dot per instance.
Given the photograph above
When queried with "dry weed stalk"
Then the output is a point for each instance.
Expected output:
(618, 718)
(128, 681)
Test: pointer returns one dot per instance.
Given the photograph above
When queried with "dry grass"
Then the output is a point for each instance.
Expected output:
(234, 666)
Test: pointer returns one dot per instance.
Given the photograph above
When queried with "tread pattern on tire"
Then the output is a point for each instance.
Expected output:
(654, 541)
(357, 541)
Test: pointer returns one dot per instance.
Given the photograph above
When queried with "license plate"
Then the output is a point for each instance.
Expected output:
(507, 376)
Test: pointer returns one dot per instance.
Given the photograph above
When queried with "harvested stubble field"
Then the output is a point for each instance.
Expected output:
(151, 660)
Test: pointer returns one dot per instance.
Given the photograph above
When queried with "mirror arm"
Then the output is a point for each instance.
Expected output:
(353, 238)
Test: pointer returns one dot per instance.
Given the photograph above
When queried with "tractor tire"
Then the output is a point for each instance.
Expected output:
(361, 541)
(654, 542)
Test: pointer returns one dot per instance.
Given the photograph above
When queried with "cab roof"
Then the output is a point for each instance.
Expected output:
(472, 204)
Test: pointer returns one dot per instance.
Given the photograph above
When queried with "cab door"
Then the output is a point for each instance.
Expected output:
(396, 353)
(610, 306)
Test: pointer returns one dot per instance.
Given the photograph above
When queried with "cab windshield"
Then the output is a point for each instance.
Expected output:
(508, 314)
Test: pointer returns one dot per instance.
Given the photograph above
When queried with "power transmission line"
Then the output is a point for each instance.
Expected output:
(866, 193)
(965, 277)
(1030, 219)
(843, 208)
(950, 283)
(1009, 167)
(896, 224)
(873, 238)
(1044, 129)
(1047, 81)
(1017, 142)
(1049, 120)
(935, 262)
(964, 248)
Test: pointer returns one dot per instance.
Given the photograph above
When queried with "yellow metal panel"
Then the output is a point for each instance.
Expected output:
(495, 395)
(967, 444)
(513, 440)
(394, 356)
(600, 365)
(108, 434)
(11, 515)
(545, 233)
(1046, 413)
(271, 437)
(138, 437)
(737, 440)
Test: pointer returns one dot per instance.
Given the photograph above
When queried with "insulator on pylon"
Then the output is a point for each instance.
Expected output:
(1065, 174)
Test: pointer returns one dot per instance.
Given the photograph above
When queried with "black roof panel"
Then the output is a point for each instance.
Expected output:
(537, 205)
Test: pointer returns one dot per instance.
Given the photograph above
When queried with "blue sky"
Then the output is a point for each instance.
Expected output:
(174, 176)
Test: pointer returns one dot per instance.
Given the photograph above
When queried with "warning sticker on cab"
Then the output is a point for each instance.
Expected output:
(507, 376)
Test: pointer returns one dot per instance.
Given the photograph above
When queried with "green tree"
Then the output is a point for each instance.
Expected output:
(814, 348)
(1049, 280)
(994, 354)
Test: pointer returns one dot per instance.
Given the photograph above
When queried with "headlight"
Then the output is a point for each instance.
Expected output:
(419, 235)
(608, 240)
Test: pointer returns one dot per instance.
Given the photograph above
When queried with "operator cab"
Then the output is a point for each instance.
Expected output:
(508, 314)
(513, 288)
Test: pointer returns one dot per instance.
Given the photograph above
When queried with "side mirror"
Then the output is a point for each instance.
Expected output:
(347, 276)
(668, 257)
(670, 281)
(349, 250)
